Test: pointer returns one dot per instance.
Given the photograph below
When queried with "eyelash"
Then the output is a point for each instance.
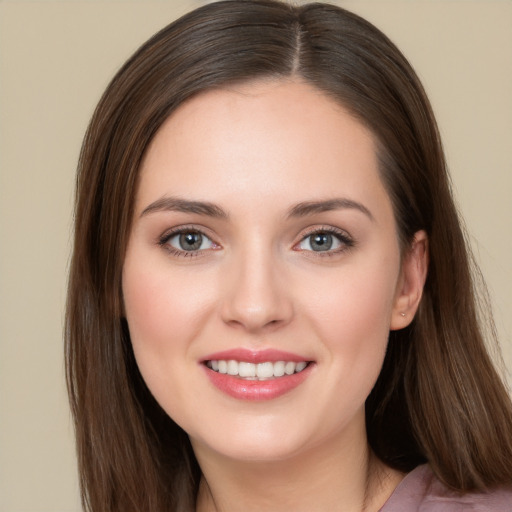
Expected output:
(347, 242)
(163, 241)
(343, 237)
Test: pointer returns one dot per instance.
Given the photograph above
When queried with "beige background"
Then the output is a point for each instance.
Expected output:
(55, 60)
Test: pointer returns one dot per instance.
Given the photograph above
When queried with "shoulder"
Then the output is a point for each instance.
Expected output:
(421, 491)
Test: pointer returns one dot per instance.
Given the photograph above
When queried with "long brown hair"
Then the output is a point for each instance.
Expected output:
(438, 398)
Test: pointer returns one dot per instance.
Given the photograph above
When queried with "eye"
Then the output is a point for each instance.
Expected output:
(186, 242)
(326, 240)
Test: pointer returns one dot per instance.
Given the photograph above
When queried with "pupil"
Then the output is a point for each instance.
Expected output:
(191, 241)
(321, 242)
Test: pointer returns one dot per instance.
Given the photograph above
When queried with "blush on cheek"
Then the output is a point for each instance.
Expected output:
(164, 311)
(359, 304)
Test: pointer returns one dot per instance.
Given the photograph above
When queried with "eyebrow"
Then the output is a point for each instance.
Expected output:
(312, 207)
(175, 204)
(302, 209)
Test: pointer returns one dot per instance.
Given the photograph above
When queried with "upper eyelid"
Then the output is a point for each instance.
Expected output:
(304, 232)
(324, 229)
(186, 228)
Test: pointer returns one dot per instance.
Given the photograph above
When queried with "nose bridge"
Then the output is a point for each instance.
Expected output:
(256, 295)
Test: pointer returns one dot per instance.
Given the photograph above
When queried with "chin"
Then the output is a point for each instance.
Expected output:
(254, 444)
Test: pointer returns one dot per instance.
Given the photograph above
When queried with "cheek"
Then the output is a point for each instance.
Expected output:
(353, 320)
(148, 306)
(356, 299)
(163, 311)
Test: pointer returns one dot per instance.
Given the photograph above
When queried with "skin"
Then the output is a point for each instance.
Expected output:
(257, 151)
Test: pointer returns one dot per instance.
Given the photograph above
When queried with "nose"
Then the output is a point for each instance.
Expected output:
(256, 294)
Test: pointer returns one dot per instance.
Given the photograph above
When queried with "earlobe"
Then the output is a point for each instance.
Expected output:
(413, 274)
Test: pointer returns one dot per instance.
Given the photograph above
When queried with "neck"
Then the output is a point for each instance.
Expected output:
(331, 477)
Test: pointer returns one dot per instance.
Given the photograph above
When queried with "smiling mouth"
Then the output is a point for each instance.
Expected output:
(256, 371)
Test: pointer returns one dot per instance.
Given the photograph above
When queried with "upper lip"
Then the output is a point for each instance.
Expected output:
(255, 356)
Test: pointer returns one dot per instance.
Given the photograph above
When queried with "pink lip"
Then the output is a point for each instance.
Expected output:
(256, 390)
(255, 356)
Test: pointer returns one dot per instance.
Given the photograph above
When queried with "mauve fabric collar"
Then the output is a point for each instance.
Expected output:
(421, 491)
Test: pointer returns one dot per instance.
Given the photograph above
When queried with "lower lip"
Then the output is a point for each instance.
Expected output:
(257, 390)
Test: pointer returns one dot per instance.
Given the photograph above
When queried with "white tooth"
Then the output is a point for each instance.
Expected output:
(289, 368)
(246, 369)
(232, 367)
(265, 370)
(300, 366)
(278, 368)
(223, 366)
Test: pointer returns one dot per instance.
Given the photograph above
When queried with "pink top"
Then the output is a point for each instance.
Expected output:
(421, 491)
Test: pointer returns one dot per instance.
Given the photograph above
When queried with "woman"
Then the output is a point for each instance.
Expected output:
(267, 309)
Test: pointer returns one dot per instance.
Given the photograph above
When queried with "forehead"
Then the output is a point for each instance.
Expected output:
(263, 139)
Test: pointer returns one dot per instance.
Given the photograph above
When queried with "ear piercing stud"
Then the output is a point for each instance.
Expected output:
(403, 314)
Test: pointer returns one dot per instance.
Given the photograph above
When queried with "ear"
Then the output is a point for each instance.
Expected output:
(413, 273)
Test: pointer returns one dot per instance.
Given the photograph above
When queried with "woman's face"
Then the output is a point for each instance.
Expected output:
(263, 271)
